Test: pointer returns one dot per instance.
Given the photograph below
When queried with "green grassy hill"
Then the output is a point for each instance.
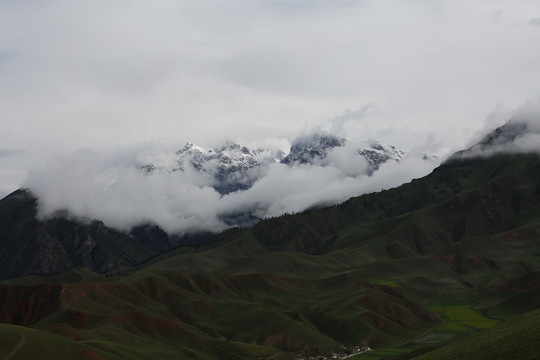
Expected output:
(438, 258)
(517, 338)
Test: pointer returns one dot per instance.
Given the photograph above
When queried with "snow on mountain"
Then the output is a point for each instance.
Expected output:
(230, 156)
(311, 149)
(308, 149)
(376, 153)
(234, 167)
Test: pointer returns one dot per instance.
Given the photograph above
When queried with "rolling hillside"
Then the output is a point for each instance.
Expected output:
(452, 253)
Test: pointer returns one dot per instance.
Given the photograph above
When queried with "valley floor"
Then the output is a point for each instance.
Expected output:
(460, 321)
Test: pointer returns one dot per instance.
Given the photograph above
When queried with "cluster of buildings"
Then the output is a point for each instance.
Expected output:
(348, 352)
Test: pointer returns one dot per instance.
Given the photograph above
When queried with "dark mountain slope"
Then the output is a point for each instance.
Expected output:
(458, 200)
(30, 246)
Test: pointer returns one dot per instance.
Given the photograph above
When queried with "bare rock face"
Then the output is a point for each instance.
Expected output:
(26, 305)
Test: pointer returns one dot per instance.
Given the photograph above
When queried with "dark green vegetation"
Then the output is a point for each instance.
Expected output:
(514, 339)
(413, 268)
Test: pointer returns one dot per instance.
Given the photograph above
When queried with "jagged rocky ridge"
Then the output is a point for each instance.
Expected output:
(376, 153)
(234, 167)
(314, 148)
(309, 149)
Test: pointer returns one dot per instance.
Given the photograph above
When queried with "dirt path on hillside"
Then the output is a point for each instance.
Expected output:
(18, 347)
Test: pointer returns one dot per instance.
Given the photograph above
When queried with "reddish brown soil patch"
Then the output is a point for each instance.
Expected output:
(448, 258)
(25, 305)
(288, 342)
(80, 319)
(89, 354)
(156, 327)
(511, 235)
(523, 283)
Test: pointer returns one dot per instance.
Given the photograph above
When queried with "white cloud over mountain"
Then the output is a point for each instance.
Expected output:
(111, 186)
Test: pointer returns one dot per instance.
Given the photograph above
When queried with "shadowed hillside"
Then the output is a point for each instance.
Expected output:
(455, 251)
(29, 246)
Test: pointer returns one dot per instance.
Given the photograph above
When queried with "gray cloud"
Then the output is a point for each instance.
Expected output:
(108, 186)
(11, 173)
(535, 22)
(10, 152)
(337, 124)
(497, 14)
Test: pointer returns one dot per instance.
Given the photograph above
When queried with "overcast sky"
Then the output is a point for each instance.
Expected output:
(102, 74)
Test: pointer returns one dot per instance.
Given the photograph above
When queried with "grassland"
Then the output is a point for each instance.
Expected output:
(513, 339)
(404, 270)
(460, 321)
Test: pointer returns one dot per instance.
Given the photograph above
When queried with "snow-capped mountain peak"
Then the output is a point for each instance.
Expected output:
(307, 149)
(315, 147)
(232, 165)
(376, 153)
(228, 155)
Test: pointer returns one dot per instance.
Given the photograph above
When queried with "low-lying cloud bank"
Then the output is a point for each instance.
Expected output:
(110, 186)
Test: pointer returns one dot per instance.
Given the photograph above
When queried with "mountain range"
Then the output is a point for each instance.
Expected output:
(436, 268)
(234, 167)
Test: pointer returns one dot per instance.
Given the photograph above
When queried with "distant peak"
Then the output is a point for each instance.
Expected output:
(318, 137)
(504, 134)
(308, 148)
(505, 138)
(190, 147)
(377, 153)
